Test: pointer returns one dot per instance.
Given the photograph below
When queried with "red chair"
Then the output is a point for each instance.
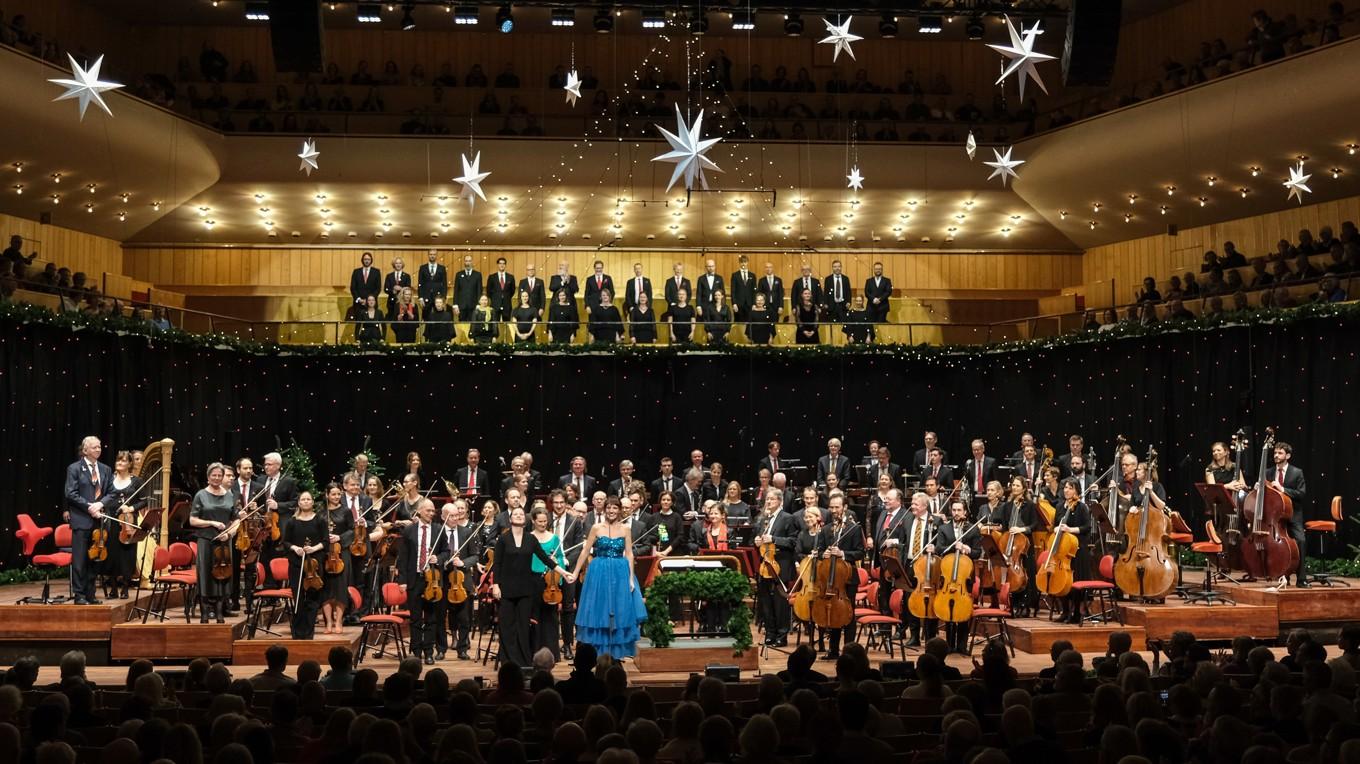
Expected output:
(384, 625)
(985, 617)
(884, 630)
(1322, 528)
(1211, 549)
(1182, 541)
(172, 572)
(1101, 590)
(276, 599)
(29, 534)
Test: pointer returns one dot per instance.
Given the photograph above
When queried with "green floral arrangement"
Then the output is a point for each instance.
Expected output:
(718, 587)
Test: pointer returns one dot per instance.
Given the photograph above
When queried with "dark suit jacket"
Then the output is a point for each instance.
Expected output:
(796, 291)
(574, 530)
(587, 480)
(536, 299)
(411, 571)
(685, 499)
(1295, 486)
(502, 299)
(253, 489)
(842, 468)
(630, 298)
(658, 486)
(945, 476)
(513, 572)
(285, 494)
(467, 287)
(948, 535)
(360, 288)
(392, 285)
(743, 294)
(460, 480)
(988, 474)
(432, 286)
(673, 291)
(764, 464)
(920, 457)
(593, 290)
(470, 552)
(570, 285)
(894, 470)
(883, 291)
(785, 532)
(774, 293)
(80, 492)
(705, 293)
(829, 290)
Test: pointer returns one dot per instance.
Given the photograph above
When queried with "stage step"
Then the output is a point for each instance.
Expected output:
(175, 640)
(1036, 635)
(693, 655)
(1316, 604)
(250, 652)
(1220, 621)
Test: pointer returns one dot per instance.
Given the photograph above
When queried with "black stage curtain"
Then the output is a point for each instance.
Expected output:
(1176, 391)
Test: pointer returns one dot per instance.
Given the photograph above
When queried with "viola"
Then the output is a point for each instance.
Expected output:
(953, 603)
(274, 531)
(1146, 568)
(1267, 549)
(457, 588)
(99, 543)
(552, 587)
(434, 585)
(358, 548)
(311, 574)
(127, 533)
(1055, 577)
(335, 564)
(769, 567)
(222, 569)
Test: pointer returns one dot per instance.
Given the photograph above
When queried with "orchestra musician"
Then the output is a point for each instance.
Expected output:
(979, 471)
(121, 565)
(460, 538)
(619, 484)
(280, 496)
(547, 631)
(303, 533)
(771, 459)
(585, 484)
(833, 463)
(423, 546)
(472, 479)
(809, 503)
(1017, 514)
(879, 499)
(244, 488)
(1028, 466)
(570, 527)
(777, 527)
(885, 466)
(1221, 469)
(917, 537)
(921, 458)
(1075, 444)
(934, 499)
(991, 507)
(1290, 479)
(1076, 470)
(338, 514)
(87, 481)
(935, 468)
(959, 534)
(713, 486)
(1050, 488)
(841, 538)
(675, 541)
(1074, 518)
(1026, 439)
(667, 482)
(209, 514)
(644, 543)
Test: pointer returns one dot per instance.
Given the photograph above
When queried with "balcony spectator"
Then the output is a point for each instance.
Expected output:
(283, 101)
(861, 132)
(333, 75)
(1231, 257)
(507, 78)
(47, 280)
(245, 73)
(1338, 263)
(862, 83)
(1266, 37)
(798, 132)
(1331, 26)
(8, 283)
(755, 82)
(1304, 270)
(339, 101)
(1190, 286)
(361, 76)
(968, 111)
(769, 131)
(1232, 280)
(489, 105)
(1306, 245)
(211, 63)
(373, 101)
(599, 106)
(1282, 299)
(909, 84)
(1329, 290)
(886, 111)
(446, 78)
(1214, 284)
(797, 109)
(1174, 290)
(588, 79)
(391, 74)
(1003, 135)
(917, 110)
(1000, 113)
(918, 134)
(1176, 311)
(311, 98)
(14, 255)
(1209, 262)
(780, 82)
(507, 128)
(159, 321)
(417, 77)
(1149, 292)
(476, 77)
(802, 82)
(1260, 277)
(1281, 273)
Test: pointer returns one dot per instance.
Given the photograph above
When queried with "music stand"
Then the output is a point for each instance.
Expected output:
(861, 474)
(1218, 500)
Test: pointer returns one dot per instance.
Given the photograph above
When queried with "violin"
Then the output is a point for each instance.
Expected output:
(222, 569)
(99, 543)
(335, 564)
(953, 603)
(769, 567)
(1267, 549)
(552, 587)
(1146, 568)
(1055, 577)
(434, 584)
(832, 608)
(128, 517)
(311, 571)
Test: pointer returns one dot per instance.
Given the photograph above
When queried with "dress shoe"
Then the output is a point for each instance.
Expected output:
(81, 601)
(439, 656)
(94, 601)
(203, 615)
(463, 655)
(122, 595)
(781, 642)
(914, 641)
(567, 654)
(429, 660)
(831, 656)
(1301, 583)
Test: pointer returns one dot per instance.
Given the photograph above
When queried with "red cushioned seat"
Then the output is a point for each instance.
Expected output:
(863, 611)
(877, 618)
(1324, 526)
(281, 593)
(994, 612)
(1181, 538)
(56, 559)
(382, 618)
(1206, 547)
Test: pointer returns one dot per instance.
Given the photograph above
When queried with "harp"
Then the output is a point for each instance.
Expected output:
(155, 456)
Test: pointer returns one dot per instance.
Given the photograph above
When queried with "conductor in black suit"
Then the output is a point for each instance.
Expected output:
(833, 462)
(772, 287)
(674, 284)
(467, 289)
(433, 280)
(710, 281)
(532, 284)
(742, 294)
(836, 293)
(979, 471)
(395, 281)
(500, 290)
(638, 284)
(365, 281)
(518, 588)
(472, 480)
(1289, 479)
(597, 282)
(87, 481)
(877, 294)
(423, 546)
(585, 484)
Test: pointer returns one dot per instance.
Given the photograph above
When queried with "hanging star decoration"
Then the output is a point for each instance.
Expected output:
(85, 86)
(573, 87)
(971, 146)
(1297, 183)
(856, 180)
(308, 157)
(839, 36)
(1004, 165)
(687, 151)
(471, 179)
(1022, 56)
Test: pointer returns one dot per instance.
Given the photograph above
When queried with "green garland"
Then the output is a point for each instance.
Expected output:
(31, 574)
(22, 313)
(719, 587)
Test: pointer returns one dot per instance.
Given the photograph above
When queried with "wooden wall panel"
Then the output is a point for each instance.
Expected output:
(78, 251)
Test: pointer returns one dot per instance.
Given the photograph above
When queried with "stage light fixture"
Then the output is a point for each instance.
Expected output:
(257, 11)
(929, 24)
(887, 26)
(563, 17)
(1164, 209)
(604, 21)
(698, 24)
(369, 13)
(975, 28)
(743, 21)
(408, 19)
(465, 16)
(793, 24)
(653, 19)
(505, 19)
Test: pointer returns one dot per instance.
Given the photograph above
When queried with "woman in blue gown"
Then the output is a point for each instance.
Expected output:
(610, 610)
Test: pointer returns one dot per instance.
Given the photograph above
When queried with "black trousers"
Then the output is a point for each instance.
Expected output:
(515, 629)
(546, 633)
(1296, 530)
(774, 608)
(424, 621)
(570, 594)
(455, 619)
(303, 625)
(82, 570)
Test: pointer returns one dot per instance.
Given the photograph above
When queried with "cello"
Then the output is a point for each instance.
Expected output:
(1146, 568)
(954, 603)
(1267, 549)
(926, 569)
(833, 608)
(1012, 547)
(1055, 577)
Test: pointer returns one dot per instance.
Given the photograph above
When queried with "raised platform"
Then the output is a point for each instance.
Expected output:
(1219, 622)
(45, 629)
(693, 655)
(175, 640)
(250, 652)
(1036, 635)
(1297, 607)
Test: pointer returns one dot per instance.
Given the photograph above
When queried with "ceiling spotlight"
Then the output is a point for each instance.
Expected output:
(1096, 207)
(56, 198)
(90, 188)
(465, 16)
(653, 19)
(1336, 172)
(1203, 200)
(698, 24)
(1128, 216)
(563, 17)
(887, 26)
(1062, 214)
(1350, 148)
(56, 177)
(89, 208)
(369, 13)
(320, 197)
(1164, 209)
(1244, 191)
(743, 21)
(208, 224)
(155, 206)
(19, 166)
(1170, 190)
(604, 21)
(1212, 180)
(1255, 171)
(1005, 232)
(122, 216)
(1133, 198)
(975, 28)
(408, 19)
(793, 24)
(1093, 224)
(260, 11)
(929, 24)
(505, 19)
(19, 189)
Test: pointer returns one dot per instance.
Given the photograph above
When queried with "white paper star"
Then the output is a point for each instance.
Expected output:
(856, 180)
(1004, 165)
(840, 37)
(1297, 183)
(573, 87)
(1022, 55)
(471, 179)
(308, 157)
(85, 86)
(687, 151)
(971, 145)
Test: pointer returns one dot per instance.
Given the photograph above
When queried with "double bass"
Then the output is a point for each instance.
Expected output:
(1042, 506)
(832, 608)
(1267, 549)
(1146, 568)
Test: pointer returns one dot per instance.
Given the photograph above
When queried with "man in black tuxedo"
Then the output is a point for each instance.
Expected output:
(775, 526)
(585, 484)
(979, 471)
(245, 490)
(532, 284)
(886, 465)
(467, 289)
(423, 546)
(472, 480)
(395, 281)
(618, 485)
(689, 498)
(675, 283)
(772, 287)
(598, 281)
(935, 468)
(771, 459)
(743, 295)
(1077, 471)
(572, 529)
(840, 539)
(364, 281)
(806, 282)
(958, 530)
(460, 538)
(1028, 467)
(563, 279)
(833, 462)
(281, 496)
(87, 481)
(500, 290)
(1075, 446)
(644, 538)
(667, 482)
(638, 284)
(878, 293)
(836, 293)
(709, 282)
(922, 455)
(433, 280)
(1289, 479)
(1026, 441)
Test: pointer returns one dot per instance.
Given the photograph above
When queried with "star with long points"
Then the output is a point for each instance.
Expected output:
(308, 157)
(687, 151)
(1004, 165)
(1022, 56)
(573, 87)
(839, 36)
(1297, 183)
(86, 86)
(471, 179)
(856, 180)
